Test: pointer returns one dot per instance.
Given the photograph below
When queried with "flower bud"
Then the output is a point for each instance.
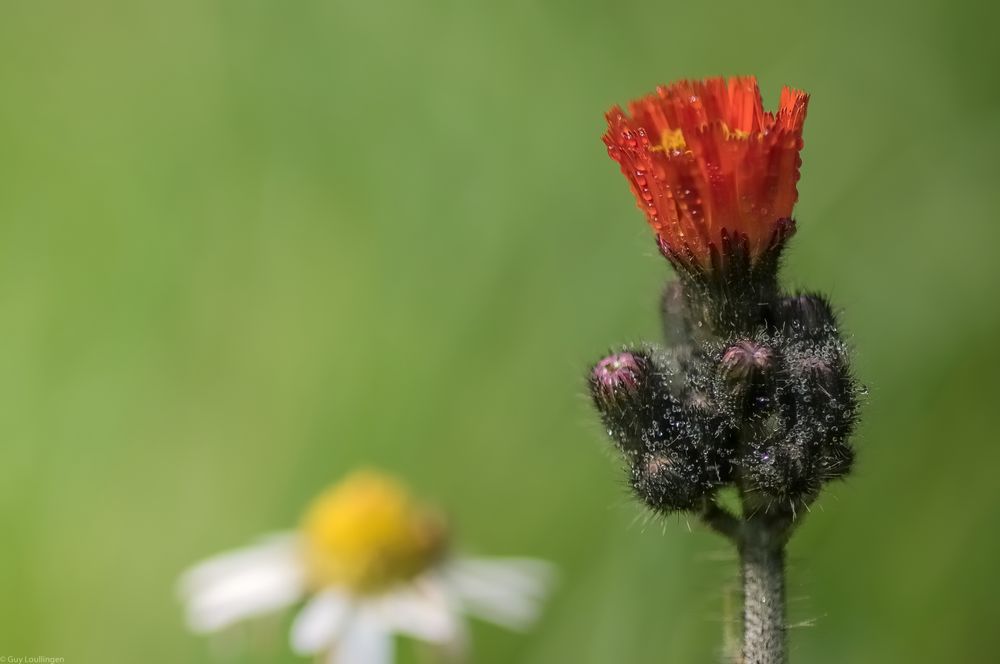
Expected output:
(808, 314)
(819, 384)
(806, 440)
(744, 378)
(744, 362)
(670, 481)
(617, 376)
(782, 470)
(623, 387)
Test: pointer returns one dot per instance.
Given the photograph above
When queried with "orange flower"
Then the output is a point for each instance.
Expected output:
(712, 170)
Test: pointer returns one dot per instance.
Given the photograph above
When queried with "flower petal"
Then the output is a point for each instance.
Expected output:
(244, 583)
(321, 622)
(422, 610)
(365, 640)
(707, 164)
(505, 591)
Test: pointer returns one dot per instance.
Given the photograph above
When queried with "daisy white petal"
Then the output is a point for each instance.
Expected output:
(321, 622)
(365, 640)
(422, 610)
(244, 583)
(505, 591)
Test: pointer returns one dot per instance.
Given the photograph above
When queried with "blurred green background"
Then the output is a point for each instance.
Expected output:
(246, 246)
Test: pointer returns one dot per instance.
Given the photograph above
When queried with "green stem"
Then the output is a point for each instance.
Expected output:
(760, 536)
(762, 556)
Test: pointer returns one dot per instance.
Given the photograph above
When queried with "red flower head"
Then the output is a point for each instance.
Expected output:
(712, 170)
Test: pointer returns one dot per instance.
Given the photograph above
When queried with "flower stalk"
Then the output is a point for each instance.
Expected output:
(762, 557)
(752, 387)
(760, 539)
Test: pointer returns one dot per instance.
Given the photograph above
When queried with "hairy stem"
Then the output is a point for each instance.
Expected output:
(760, 536)
(762, 554)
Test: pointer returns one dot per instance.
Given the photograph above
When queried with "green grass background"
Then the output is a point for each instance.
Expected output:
(246, 246)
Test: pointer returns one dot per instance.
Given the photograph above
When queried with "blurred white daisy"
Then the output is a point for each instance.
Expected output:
(370, 563)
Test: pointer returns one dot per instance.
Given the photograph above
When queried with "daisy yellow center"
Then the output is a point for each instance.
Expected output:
(367, 533)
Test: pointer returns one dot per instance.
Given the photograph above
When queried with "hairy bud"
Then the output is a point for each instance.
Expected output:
(805, 443)
(807, 314)
(670, 480)
(744, 379)
(744, 362)
(617, 376)
(667, 427)
(623, 387)
(782, 469)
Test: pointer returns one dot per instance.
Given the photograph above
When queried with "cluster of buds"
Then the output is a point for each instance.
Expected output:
(752, 387)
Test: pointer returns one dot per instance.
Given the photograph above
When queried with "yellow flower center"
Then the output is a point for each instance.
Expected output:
(672, 140)
(367, 533)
